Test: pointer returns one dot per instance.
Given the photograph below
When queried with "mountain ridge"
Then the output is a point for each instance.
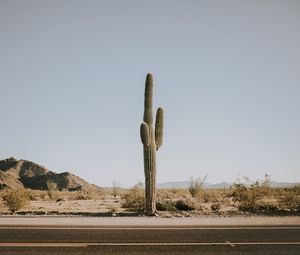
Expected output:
(27, 174)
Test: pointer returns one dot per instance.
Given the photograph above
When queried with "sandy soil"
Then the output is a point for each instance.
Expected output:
(147, 221)
(107, 204)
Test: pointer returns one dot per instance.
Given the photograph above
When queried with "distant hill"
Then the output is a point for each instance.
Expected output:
(185, 185)
(26, 174)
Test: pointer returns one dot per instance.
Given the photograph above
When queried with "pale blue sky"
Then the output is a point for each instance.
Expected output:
(227, 74)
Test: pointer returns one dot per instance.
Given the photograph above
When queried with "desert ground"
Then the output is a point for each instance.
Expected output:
(234, 201)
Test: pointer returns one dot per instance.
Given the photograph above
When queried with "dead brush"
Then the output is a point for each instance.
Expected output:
(16, 199)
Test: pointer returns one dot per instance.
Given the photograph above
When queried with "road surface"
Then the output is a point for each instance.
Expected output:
(281, 239)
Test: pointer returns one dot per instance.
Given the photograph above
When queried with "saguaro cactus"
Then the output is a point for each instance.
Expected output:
(152, 140)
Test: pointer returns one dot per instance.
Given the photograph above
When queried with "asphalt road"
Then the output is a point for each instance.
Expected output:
(150, 240)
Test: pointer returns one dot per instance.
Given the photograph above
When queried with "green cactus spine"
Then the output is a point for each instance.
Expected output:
(152, 140)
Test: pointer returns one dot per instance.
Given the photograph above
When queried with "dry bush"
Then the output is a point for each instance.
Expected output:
(52, 190)
(16, 199)
(171, 193)
(289, 198)
(165, 205)
(163, 194)
(251, 196)
(216, 206)
(196, 185)
(212, 195)
(36, 195)
(186, 205)
(85, 195)
(134, 200)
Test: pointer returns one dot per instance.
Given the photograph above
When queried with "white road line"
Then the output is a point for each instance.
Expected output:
(141, 244)
(146, 228)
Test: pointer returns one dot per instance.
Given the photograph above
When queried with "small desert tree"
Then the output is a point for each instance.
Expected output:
(196, 185)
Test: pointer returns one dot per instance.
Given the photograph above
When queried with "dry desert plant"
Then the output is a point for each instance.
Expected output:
(52, 190)
(196, 185)
(134, 200)
(16, 199)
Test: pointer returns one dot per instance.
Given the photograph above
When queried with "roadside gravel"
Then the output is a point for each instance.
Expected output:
(146, 221)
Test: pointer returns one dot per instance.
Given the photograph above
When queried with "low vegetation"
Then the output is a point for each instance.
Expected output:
(247, 197)
(16, 199)
(134, 200)
(52, 190)
(196, 185)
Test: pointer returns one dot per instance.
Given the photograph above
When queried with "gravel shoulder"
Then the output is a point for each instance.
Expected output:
(147, 221)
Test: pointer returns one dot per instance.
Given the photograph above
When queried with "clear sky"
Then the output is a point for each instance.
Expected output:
(227, 74)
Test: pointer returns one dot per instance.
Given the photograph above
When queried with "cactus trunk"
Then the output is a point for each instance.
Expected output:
(152, 140)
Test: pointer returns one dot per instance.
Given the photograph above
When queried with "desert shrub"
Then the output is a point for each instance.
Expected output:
(289, 198)
(172, 193)
(211, 195)
(37, 195)
(206, 197)
(16, 199)
(84, 195)
(164, 194)
(251, 194)
(52, 190)
(195, 186)
(185, 205)
(178, 193)
(165, 205)
(216, 206)
(267, 206)
(258, 207)
(134, 200)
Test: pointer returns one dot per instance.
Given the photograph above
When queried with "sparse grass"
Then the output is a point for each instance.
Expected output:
(172, 193)
(36, 195)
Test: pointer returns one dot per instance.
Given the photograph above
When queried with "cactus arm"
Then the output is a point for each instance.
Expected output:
(159, 125)
(148, 114)
(144, 131)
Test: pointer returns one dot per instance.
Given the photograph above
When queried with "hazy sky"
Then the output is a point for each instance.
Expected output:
(227, 74)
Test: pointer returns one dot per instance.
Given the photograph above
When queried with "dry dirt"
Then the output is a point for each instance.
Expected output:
(108, 204)
(147, 221)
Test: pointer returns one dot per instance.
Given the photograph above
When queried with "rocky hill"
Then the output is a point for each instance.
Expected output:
(26, 174)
